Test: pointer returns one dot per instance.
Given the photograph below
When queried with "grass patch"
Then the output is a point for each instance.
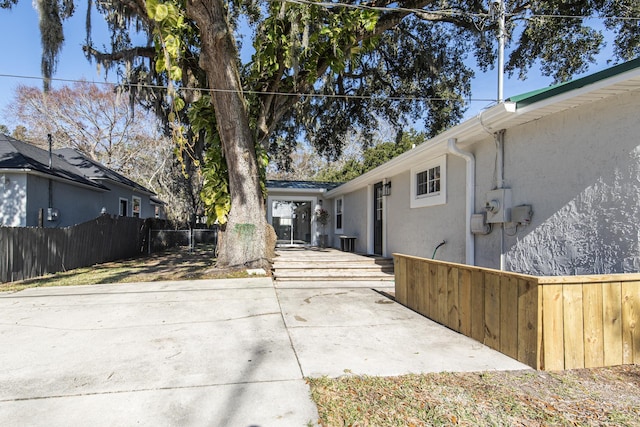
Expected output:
(587, 397)
(168, 265)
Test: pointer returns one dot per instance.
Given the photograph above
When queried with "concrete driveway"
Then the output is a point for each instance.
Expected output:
(206, 353)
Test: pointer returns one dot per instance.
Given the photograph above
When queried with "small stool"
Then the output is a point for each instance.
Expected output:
(347, 243)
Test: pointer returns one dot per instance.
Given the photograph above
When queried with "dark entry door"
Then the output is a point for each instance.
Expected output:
(377, 218)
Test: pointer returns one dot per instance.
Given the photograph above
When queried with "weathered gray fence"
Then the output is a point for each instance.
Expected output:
(32, 252)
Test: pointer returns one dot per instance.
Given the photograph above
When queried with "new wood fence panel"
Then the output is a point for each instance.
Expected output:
(552, 327)
(433, 291)
(477, 305)
(422, 272)
(453, 312)
(465, 298)
(573, 326)
(441, 295)
(550, 323)
(412, 285)
(509, 316)
(612, 323)
(630, 322)
(492, 311)
(400, 269)
(529, 323)
(593, 326)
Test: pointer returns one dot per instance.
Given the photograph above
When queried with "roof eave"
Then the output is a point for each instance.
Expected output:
(296, 190)
(122, 184)
(96, 186)
(470, 131)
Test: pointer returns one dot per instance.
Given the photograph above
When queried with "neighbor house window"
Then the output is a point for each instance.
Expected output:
(135, 207)
(428, 183)
(339, 203)
(124, 207)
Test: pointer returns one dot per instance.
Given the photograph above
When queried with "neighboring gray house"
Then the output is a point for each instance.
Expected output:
(64, 188)
(546, 183)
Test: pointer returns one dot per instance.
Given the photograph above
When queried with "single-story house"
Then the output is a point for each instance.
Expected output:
(545, 183)
(63, 188)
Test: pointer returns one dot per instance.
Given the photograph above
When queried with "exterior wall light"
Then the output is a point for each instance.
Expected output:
(386, 189)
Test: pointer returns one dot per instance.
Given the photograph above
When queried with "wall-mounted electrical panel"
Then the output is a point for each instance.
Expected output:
(498, 205)
(521, 215)
(52, 214)
(479, 224)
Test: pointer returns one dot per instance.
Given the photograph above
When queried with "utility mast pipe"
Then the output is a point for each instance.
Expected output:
(501, 36)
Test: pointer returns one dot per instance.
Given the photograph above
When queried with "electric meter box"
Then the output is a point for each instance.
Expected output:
(498, 205)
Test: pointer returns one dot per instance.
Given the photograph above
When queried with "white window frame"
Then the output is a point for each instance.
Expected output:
(433, 199)
(122, 199)
(339, 201)
(133, 206)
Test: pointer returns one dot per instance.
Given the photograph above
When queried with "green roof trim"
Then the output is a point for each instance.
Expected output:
(560, 88)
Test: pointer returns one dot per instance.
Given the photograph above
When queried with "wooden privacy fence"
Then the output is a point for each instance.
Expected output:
(32, 252)
(548, 323)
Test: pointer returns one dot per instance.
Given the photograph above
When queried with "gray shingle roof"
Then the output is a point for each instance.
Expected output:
(18, 155)
(94, 170)
(302, 185)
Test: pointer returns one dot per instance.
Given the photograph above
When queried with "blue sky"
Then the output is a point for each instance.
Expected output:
(21, 52)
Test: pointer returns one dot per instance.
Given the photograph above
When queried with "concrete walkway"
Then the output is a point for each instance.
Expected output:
(206, 353)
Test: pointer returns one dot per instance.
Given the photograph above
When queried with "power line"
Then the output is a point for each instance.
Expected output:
(253, 92)
(449, 12)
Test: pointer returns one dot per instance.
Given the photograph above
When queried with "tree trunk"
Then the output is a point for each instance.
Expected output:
(243, 238)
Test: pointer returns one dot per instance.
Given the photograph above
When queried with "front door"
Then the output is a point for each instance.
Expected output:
(291, 220)
(377, 218)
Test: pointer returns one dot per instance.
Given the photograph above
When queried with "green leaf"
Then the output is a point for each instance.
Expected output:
(178, 104)
(151, 8)
(175, 73)
(172, 44)
(160, 65)
(161, 12)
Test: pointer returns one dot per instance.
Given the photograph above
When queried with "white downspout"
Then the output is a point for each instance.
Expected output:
(470, 199)
(499, 140)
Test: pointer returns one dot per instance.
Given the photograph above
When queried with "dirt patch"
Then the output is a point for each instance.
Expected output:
(584, 397)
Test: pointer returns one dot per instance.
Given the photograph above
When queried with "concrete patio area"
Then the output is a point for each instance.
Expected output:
(211, 352)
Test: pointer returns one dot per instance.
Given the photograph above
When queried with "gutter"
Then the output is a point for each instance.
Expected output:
(470, 197)
(469, 132)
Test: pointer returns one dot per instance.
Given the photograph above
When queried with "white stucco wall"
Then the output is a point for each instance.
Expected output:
(13, 200)
(419, 231)
(580, 171)
(354, 220)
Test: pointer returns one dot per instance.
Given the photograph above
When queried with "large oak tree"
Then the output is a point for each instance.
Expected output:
(319, 70)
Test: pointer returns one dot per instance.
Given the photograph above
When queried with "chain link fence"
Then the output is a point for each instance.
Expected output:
(160, 240)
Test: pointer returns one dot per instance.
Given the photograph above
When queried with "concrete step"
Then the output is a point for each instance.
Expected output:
(330, 266)
(340, 268)
(308, 284)
(334, 279)
(315, 274)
